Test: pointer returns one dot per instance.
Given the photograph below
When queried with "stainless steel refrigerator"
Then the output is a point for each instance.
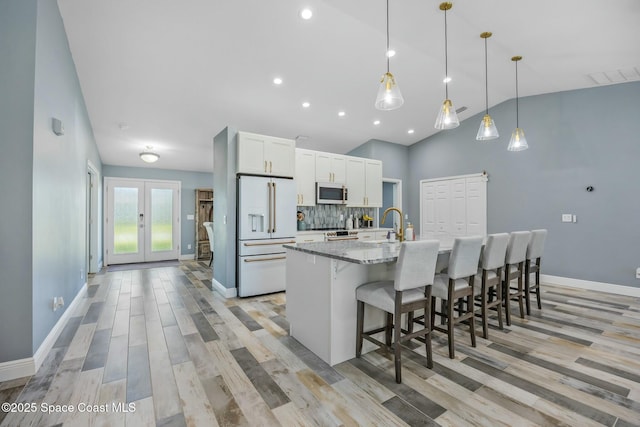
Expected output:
(266, 220)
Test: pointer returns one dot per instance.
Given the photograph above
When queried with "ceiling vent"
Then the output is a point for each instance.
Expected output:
(622, 75)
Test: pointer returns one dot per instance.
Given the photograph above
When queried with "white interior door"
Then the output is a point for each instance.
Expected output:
(142, 220)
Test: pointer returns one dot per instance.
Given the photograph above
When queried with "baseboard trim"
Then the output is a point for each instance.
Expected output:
(53, 335)
(187, 257)
(30, 365)
(590, 285)
(226, 292)
(17, 369)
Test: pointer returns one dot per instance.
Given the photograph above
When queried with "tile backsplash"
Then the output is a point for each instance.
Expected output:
(328, 216)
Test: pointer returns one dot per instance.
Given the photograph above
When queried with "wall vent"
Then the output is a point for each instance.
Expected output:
(622, 75)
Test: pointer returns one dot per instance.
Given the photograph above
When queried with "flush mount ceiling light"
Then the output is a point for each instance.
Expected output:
(389, 96)
(487, 128)
(517, 142)
(148, 156)
(447, 117)
(306, 14)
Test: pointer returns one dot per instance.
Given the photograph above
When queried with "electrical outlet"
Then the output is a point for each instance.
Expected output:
(57, 303)
(567, 218)
(189, 246)
(638, 273)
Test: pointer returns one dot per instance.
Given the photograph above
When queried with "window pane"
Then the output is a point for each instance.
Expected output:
(125, 227)
(161, 219)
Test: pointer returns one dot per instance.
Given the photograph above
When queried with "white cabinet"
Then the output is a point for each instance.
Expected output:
(330, 167)
(266, 155)
(309, 237)
(455, 206)
(373, 182)
(366, 235)
(364, 182)
(305, 177)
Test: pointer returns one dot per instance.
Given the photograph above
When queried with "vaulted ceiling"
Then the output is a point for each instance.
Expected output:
(172, 74)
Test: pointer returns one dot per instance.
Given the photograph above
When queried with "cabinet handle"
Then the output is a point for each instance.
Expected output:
(265, 166)
(264, 259)
(302, 198)
(270, 166)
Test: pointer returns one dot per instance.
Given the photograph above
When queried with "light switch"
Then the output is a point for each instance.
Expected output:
(567, 218)
(190, 217)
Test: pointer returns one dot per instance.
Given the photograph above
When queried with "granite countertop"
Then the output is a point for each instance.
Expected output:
(361, 230)
(351, 251)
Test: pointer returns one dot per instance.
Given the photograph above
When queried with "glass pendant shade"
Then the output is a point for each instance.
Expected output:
(389, 96)
(517, 142)
(447, 117)
(487, 130)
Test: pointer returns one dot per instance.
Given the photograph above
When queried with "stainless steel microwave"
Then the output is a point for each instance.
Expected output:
(331, 193)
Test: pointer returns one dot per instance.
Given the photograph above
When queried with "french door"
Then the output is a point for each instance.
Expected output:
(142, 220)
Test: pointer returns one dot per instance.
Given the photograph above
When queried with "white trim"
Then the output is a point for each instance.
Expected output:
(17, 369)
(444, 178)
(53, 335)
(187, 257)
(29, 366)
(226, 292)
(590, 285)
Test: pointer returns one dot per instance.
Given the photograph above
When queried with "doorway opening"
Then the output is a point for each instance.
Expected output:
(391, 196)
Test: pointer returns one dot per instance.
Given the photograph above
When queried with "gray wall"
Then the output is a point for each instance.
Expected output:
(59, 173)
(17, 68)
(43, 227)
(224, 205)
(190, 181)
(576, 139)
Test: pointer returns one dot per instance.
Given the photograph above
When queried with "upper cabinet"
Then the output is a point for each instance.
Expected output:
(266, 155)
(330, 167)
(364, 182)
(362, 177)
(305, 177)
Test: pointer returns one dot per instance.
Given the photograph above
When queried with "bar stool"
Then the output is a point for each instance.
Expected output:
(410, 290)
(514, 269)
(532, 265)
(490, 277)
(456, 283)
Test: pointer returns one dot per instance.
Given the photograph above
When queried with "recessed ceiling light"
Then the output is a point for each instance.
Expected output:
(306, 105)
(376, 122)
(306, 14)
(341, 113)
(277, 81)
(410, 131)
(391, 53)
(446, 80)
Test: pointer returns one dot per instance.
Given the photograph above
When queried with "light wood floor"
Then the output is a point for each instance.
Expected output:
(158, 341)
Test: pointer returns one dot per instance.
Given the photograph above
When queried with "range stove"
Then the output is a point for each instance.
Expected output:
(335, 235)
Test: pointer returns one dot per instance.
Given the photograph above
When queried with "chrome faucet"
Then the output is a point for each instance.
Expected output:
(401, 231)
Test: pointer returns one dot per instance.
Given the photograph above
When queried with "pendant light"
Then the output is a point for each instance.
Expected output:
(447, 117)
(517, 142)
(487, 129)
(389, 96)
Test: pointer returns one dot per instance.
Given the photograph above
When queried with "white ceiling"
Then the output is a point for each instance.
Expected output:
(175, 73)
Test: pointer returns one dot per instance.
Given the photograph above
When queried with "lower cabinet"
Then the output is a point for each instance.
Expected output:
(310, 237)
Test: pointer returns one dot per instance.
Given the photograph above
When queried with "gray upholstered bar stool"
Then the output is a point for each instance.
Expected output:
(488, 286)
(410, 290)
(514, 269)
(457, 282)
(532, 265)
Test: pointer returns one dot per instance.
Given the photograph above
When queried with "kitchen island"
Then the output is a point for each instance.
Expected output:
(322, 278)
